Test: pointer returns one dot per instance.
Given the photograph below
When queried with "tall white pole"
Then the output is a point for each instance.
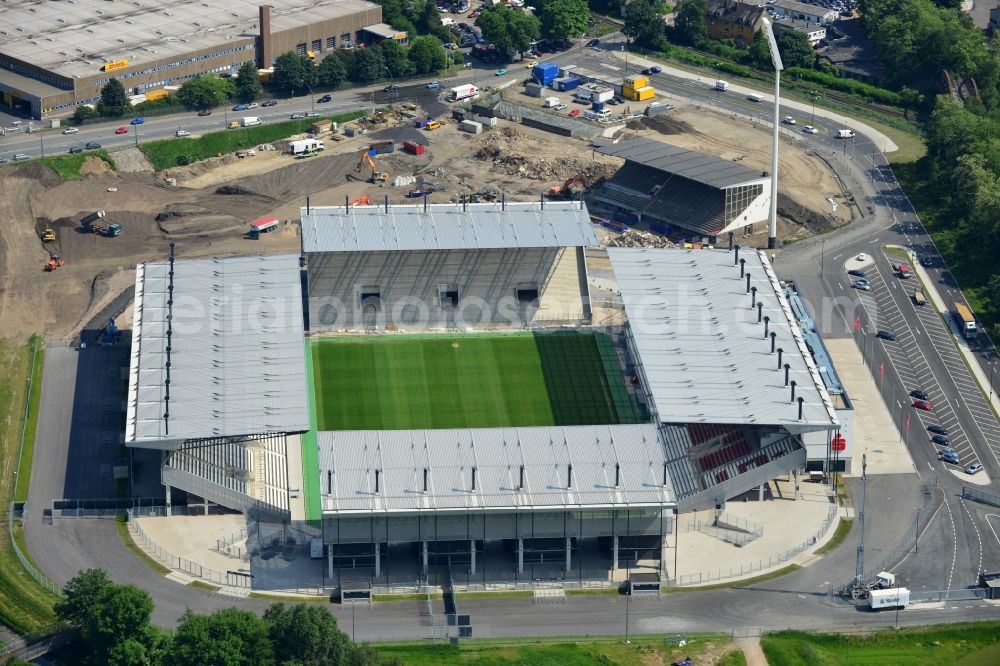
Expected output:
(772, 220)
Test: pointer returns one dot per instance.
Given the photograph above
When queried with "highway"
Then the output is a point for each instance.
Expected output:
(960, 540)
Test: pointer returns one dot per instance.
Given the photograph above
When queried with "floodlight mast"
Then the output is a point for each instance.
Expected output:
(772, 218)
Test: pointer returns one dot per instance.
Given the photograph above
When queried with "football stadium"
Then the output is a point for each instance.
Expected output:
(423, 396)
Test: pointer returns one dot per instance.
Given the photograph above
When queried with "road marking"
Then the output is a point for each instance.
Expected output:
(979, 537)
(988, 522)
(954, 552)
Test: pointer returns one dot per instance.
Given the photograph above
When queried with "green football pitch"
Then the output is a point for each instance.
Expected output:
(469, 381)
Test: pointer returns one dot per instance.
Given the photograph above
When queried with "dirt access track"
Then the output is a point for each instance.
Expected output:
(206, 212)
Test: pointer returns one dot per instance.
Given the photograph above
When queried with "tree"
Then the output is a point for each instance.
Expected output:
(83, 112)
(644, 24)
(305, 635)
(429, 23)
(395, 57)
(368, 65)
(795, 49)
(82, 593)
(247, 82)
(205, 91)
(427, 54)
(563, 19)
(229, 637)
(331, 71)
(392, 13)
(508, 30)
(690, 26)
(293, 72)
(114, 102)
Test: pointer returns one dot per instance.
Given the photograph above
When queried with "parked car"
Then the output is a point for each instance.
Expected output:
(862, 257)
(182, 133)
(949, 457)
(941, 430)
(92, 145)
(325, 99)
(559, 107)
(532, 63)
(886, 335)
(433, 85)
(240, 107)
(500, 72)
(574, 113)
(923, 404)
(941, 439)
(75, 149)
(137, 121)
(973, 468)
(917, 393)
(809, 129)
(613, 102)
(270, 102)
(205, 112)
(71, 130)
(863, 285)
(121, 130)
(856, 272)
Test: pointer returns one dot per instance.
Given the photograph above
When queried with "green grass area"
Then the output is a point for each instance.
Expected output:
(843, 529)
(289, 599)
(595, 592)
(24, 606)
(27, 446)
(405, 597)
(67, 167)
(480, 380)
(506, 594)
(164, 154)
(564, 651)
(896, 252)
(911, 146)
(944, 644)
(734, 658)
(746, 582)
(310, 452)
(201, 585)
(126, 538)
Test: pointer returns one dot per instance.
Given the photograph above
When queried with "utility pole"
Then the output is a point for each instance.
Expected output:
(858, 588)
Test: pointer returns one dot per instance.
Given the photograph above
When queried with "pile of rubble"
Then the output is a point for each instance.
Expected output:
(637, 238)
(508, 153)
(266, 147)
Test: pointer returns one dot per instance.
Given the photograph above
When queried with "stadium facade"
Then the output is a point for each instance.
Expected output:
(55, 56)
(230, 394)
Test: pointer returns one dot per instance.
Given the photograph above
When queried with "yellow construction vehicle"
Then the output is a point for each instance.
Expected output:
(376, 176)
(48, 236)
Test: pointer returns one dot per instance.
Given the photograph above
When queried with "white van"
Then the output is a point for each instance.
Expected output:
(550, 102)
(754, 97)
(448, 21)
(845, 134)
(604, 114)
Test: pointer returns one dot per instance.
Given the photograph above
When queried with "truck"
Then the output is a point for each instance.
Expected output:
(88, 220)
(462, 92)
(755, 97)
(918, 297)
(903, 271)
(966, 322)
(722, 85)
(845, 134)
(264, 225)
(894, 597)
(250, 121)
(305, 145)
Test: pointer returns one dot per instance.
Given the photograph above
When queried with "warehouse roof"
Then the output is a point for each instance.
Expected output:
(232, 360)
(383, 470)
(446, 227)
(699, 167)
(704, 356)
(78, 37)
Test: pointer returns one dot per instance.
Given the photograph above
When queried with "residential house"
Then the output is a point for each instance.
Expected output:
(738, 21)
(804, 12)
(813, 31)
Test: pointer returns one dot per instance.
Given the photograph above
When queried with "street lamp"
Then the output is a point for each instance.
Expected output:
(814, 95)
(772, 219)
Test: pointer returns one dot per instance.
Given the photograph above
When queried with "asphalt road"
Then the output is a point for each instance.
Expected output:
(76, 385)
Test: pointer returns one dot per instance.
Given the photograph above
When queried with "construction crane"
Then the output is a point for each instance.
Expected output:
(377, 176)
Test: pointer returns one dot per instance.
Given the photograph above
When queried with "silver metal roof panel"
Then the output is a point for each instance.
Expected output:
(699, 167)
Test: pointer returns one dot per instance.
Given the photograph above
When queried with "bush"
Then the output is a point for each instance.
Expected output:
(865, 91)
(183, 160)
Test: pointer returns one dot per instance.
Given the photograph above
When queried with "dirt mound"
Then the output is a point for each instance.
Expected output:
(233, 189)
(94, 166)
(187, 219)
(35, 171)
(301, 177)
(663, 124)
(510, 152)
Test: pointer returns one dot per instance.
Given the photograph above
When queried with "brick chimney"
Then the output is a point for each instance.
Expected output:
(264, 39)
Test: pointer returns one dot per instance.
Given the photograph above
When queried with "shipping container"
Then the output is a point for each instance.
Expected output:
(471, 126)
(533, 89)
(635, 82)
(382, 147)
(413, 148)
(597, 106)
(566, 84)
(642, 94)
(545, 72)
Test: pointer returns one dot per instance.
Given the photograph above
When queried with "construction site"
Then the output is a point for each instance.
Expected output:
(60, 272)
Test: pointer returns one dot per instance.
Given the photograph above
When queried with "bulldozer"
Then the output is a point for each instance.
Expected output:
(48, 236)
(376, 176)
(55, 261)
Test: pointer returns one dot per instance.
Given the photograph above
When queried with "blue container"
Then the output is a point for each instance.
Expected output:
(597, 106)
(567, 83)
(545, 72)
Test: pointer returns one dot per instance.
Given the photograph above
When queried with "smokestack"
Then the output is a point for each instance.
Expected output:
(308, 207)
(329, 482)
(541, 198)
(787, 366)
(264, 38)
(520, 481)
(425, 203)
(748, 282)
(800, 409)
(473, 477)
(767, 323)
(773, 336)
(742, 262)
(731, 243)
(780, 352)
(425, 479)
(736, 258)
(569, 476)
(664, 483)
(760, 311)
(753, 299)
(503, 201)
(376, 481)
(387, 204)
(347, 203)
(617, 474)
(792, 399)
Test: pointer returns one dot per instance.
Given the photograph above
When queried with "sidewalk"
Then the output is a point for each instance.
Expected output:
(877, 137)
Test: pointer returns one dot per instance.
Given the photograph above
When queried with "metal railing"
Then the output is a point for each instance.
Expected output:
(39, 577)
(759, 566)
(228, 545)
(978, 495)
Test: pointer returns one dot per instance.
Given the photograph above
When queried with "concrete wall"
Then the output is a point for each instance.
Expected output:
(410, 286)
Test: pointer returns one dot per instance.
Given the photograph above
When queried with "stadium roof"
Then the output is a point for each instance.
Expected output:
(704, 356)
(78, 37)
(446, 227)
(699, 167)
(236, 350)
(349, 460)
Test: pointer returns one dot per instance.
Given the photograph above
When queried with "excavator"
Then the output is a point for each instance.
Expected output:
(55, 261)
(377, 176)
(363, 200)
(567, 190)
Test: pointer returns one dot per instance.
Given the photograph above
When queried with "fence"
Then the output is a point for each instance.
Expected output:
(228, 578)
(703, 577)
(26, 648)
(228, 545)
(982, 496)
(111, 507)
(39, 577)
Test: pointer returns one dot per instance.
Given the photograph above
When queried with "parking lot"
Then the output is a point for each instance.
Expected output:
(950, 393)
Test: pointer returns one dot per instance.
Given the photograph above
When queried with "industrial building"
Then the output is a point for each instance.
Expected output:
(683, 192)
(55, 56)
(223, 382)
